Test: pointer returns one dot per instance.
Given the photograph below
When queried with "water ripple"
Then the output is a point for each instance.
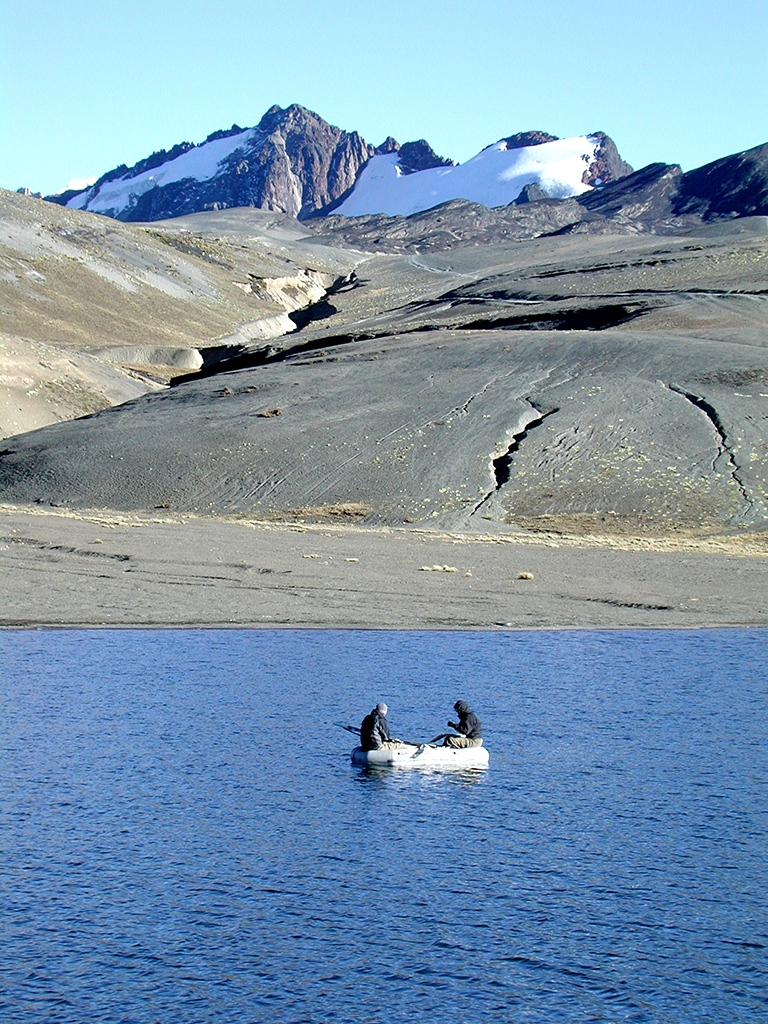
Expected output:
(184, 838)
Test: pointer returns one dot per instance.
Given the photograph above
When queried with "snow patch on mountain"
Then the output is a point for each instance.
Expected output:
(199, 163)
(76, 184)
(495, 177)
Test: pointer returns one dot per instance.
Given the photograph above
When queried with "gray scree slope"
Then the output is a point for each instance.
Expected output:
(584, 381)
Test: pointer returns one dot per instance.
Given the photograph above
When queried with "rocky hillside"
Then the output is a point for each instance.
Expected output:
(93, 312)
(735, 186)
(578, 382)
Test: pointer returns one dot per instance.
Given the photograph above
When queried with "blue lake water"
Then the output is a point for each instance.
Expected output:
(183, 838)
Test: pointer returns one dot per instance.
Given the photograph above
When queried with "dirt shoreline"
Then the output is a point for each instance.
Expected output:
(65, 568)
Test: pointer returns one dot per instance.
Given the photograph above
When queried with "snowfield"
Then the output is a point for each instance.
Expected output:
(201, 163)
(494, 177)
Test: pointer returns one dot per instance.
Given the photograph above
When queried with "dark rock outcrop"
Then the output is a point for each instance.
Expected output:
(735, 186)
(647, 193)
(531, 193)
(522, 139)
(419, 156)
(607, 165)
(413, 156)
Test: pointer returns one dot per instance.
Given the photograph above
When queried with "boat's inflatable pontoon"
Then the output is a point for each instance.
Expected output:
(423, 756)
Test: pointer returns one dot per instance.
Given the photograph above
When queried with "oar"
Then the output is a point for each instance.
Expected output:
(356, 732)
(430, 742)
(349, 728)
(408, 743)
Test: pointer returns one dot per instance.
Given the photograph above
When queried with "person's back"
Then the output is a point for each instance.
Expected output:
(469, 725)
(374, 731)
(367, 736)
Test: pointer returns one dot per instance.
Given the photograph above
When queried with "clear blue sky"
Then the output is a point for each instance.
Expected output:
(84, 87)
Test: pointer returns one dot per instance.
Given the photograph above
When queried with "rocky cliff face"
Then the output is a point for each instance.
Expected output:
(307, 163)
(607, 165)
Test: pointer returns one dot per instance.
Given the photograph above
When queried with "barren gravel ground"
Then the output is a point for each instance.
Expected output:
(63, 568)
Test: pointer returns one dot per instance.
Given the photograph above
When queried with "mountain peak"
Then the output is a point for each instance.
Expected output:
(294, 114)
(295, 162)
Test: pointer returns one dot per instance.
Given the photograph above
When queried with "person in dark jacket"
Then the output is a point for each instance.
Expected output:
(468, 726)
(374, 732)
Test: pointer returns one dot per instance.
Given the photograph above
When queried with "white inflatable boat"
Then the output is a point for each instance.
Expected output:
(424, 755)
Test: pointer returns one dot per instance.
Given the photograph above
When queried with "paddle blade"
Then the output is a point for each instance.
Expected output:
(349, 728)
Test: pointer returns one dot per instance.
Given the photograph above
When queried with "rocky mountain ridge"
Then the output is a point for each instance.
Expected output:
(292, 162)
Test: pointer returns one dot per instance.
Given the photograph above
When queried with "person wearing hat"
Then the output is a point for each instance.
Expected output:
(374, 732)
(468, 726)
